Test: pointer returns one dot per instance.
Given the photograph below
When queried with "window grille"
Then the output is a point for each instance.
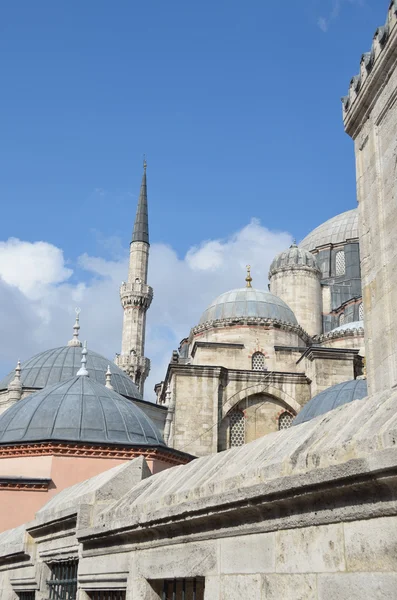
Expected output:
(258, 362)
(237, 428)
(361, 312)
(107, 595)
(342, 319)
(26, 595)
(63, 582)
(183, 589)
(285, 420)
(340, 262)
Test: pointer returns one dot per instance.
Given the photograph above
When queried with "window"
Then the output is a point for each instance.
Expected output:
(342, 319)
(285, 420)
(237, 428)
(63, 582)
(183, 589)
(340, 263)
(107, 595)
(258, 362)
(361, 312)
(26, 595)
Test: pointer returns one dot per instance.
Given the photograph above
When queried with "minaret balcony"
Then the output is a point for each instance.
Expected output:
(136, 294)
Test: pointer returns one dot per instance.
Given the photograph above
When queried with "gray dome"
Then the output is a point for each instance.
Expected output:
(348, 326)
(248, 302)
(78, 410)
(294, 258)
(335, 396)
(337, 230)
(60, 364)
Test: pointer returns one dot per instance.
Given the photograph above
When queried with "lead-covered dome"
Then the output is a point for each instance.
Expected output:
(60, 364)
(337, 230)
(248, 302)
(78, 410)
(293, 258)
(331, 398)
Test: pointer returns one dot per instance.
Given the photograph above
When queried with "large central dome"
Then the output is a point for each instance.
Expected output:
(248, 302)
(337, 230)
(60, 364)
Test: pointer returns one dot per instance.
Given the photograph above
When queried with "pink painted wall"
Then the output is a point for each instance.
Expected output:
(19, 506)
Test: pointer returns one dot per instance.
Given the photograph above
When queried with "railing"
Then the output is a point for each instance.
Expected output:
(183, 589)
(107, 595)
(63, 582)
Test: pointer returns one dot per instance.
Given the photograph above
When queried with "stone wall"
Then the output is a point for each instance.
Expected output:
(370, 116)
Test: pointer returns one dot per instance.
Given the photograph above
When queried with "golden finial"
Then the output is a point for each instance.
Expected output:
(248, 279)
(144, 162)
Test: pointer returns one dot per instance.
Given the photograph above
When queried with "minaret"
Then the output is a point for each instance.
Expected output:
(136, 297)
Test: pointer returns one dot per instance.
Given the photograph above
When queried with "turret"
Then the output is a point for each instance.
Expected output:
(295, 278)
(136, 296)
(15, 386)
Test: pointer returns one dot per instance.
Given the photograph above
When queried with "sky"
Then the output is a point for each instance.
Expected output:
(237, 108)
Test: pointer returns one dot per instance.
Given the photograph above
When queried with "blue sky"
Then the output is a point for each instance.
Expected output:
(237, 107)
(236, 104)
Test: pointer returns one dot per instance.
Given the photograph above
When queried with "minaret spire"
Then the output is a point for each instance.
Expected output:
(136, 296)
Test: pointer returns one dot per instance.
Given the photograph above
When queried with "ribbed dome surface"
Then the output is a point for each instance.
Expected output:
(294, 257)
(60, 364)
(248, 302)
(337, 230)
(335, 396)
(78, 410)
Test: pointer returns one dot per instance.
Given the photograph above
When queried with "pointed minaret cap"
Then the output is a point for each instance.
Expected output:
(82, 372)
(16, 383)
(248, 279)
(141, 225)
(108, 383)
(76, 328)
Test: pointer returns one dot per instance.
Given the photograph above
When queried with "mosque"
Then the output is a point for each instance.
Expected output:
(267, 469)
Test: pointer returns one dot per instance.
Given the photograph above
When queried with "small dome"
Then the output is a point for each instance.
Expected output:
(348, 327)
(294, 258)
(60, 364)
(248, 302)
(337, 230)
(78, 410)
(335, 396)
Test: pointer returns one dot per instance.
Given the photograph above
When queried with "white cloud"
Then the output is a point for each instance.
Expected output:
(335, 10)
(38, 300)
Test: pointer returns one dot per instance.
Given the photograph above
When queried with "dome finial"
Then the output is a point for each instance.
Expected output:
(82, 372)
(248, 279)
(294, 244)
(76, 328)
(108, 382)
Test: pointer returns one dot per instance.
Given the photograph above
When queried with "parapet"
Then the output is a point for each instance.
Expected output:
(374, 67)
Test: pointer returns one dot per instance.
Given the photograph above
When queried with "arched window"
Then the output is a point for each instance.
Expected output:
(258, 361)
(237, 428)
(285, 420)
(342, 319)
(340, 263)
(361, 312)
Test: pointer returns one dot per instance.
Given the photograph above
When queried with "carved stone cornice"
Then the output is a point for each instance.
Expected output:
(253, 322)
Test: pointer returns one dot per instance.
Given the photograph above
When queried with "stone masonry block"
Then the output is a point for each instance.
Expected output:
(310, 550)
(248, 554)
(237, 587)
(357, 586)
(289, 587)
(185, 560)
(371, 545)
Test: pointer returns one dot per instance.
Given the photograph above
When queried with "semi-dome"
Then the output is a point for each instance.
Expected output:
(59, 364)
(331, 398)
(293, 258)
(337, 230)
(78, 410)
(248, 302)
